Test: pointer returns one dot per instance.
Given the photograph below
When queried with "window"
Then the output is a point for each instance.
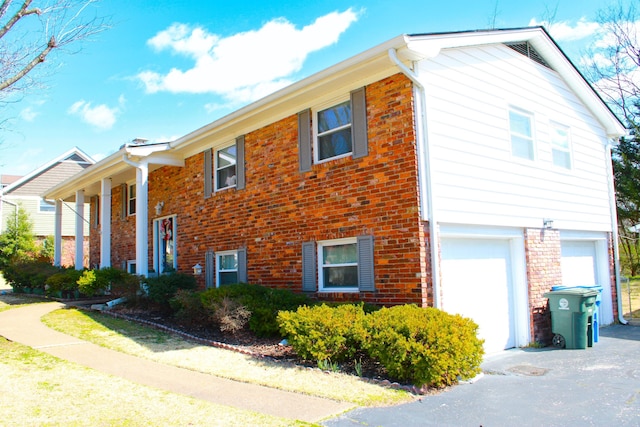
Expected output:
(521, 135)
(227, 268)
(131, 199)
(131, 266)
(560, 147)
(226, 167)
(46, 206)
(338, 265)
(333, 130)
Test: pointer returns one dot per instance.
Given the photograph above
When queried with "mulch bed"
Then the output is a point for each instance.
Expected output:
(246, 342)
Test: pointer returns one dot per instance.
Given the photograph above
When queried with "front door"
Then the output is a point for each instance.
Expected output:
(164, 245)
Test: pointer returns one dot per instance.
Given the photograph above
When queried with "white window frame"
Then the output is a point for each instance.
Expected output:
(51, 208)
(219, 185)
(336, 242)
(559, 148)
(514, 134)
(220, 270)
(131, 266)
(316, 133)
(131, 201)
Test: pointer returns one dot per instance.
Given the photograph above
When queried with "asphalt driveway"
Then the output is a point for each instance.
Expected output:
(599, 386)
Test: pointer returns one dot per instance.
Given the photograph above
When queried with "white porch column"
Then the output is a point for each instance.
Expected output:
(105, 223)
(142, 219)
(79, 230)
(57, 233)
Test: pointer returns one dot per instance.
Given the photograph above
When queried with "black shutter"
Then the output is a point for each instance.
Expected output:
(366, 278)
(309, 267)
(359, 123)
(240, 163)
(208, 173)
(304, 140)
(242, 265)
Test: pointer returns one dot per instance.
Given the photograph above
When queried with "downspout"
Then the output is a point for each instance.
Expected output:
(425, 180)
(15, 214)
(614, 232)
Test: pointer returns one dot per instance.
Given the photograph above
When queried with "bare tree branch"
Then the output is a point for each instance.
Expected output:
(30, 33)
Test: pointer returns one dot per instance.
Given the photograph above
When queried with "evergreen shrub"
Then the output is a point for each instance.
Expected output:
(322, 332)
(163, 288)
(264, 304)
(424, 346)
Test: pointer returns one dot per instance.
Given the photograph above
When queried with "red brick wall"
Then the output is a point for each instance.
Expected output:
(123, 231)
(543, 254)
(68, 257)
(281, 208)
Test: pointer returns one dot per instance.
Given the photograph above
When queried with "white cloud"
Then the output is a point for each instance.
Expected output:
(244, 66)
(28, 114)
(565, 31)
(101, 116)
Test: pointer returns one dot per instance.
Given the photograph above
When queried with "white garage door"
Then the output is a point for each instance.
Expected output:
(477, 283)
(579, 266)
(585, 263)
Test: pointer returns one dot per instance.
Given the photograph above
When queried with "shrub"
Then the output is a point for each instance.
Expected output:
(424, 346)
(188, 309)
(164, 287)
(264, 304)
(65, 281)
(324, 333)
(230, 315)
(118, 282)
(28, 274)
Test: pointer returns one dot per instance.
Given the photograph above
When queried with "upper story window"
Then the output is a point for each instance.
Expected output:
(226, 167)
(560, 146)
(46, 206)
(333, 130)
(522, 144)
(131, 199)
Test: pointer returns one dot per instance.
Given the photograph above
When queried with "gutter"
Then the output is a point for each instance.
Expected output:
(614, 231)
(425, 180)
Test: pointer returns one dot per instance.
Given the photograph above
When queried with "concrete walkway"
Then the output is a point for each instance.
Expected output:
(23, 325)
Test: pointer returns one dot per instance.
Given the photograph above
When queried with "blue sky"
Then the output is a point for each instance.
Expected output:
(168, 67)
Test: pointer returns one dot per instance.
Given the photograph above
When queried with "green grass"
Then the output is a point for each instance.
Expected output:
(41, 390)
(143, 341)
(630, 296)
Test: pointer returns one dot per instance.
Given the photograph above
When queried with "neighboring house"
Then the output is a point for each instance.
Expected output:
(26, 191)
(469, 171)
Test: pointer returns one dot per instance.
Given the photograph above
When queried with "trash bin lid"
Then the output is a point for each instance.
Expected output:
(583, 292)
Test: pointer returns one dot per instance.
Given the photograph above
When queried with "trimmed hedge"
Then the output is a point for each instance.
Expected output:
(422, 346)
(425, 346)
(324, 333)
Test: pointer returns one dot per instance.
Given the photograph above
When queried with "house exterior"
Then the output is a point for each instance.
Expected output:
(26, 191)
(467, 171)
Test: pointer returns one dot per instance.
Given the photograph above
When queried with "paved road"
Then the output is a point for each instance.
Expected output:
(599, 386)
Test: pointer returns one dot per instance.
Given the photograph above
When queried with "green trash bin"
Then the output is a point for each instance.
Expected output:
(572, 317)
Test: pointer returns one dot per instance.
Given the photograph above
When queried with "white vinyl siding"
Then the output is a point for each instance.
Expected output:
(44, 222)
(476, 178)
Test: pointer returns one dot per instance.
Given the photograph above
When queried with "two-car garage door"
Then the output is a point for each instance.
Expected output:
(477, 282)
